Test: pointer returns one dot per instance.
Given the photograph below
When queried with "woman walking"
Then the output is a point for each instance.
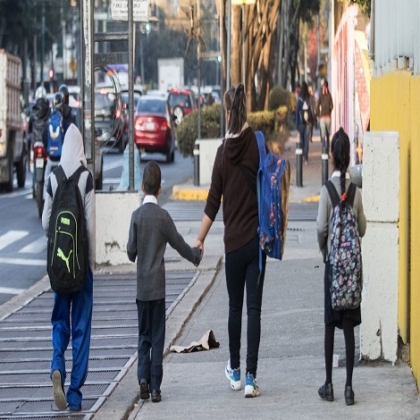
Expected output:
(304, 120)
(349, 318)
(234, 171)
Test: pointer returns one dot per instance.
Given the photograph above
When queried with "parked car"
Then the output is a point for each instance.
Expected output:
(181, 102)
(154, 130)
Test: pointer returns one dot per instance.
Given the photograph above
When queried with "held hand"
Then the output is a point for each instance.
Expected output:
(199, 244)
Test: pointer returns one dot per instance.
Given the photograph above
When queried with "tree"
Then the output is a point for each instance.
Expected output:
(21, 30)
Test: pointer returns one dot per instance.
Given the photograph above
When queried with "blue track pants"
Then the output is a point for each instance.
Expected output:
(78, 306)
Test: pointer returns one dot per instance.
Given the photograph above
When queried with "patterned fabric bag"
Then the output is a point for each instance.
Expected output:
(273, 183)
(345, 255)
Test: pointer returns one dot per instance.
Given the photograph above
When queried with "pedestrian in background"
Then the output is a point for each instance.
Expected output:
(151, 228)
(325, 107)
(236, 159)
(76, 306)
(343, 319)
(304, 119)
(314, 108)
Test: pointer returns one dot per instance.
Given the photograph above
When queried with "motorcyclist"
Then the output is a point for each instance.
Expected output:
(39, 115)
(66, 111)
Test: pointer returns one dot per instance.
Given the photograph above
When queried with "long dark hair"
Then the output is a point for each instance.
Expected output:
(235, 104)
(304, 93)
(340, 150)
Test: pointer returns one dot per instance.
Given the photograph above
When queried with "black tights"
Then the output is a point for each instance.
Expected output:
(348, 329)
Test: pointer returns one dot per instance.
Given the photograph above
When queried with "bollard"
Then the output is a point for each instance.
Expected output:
(324, 165)
(299, 164)
(197, 163)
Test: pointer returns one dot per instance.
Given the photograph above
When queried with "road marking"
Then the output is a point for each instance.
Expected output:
(11, 290)
(15, 193)
(113, 165)
(35, 247)
(10, 237)
(112, 180)
(23, 261)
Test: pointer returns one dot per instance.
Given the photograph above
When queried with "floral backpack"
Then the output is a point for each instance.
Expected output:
(345, 255)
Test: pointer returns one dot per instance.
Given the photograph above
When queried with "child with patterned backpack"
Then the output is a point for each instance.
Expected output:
(341, 223)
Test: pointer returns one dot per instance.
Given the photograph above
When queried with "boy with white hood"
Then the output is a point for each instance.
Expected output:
(77, 305)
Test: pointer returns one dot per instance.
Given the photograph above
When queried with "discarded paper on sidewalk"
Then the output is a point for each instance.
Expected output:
(207, 342)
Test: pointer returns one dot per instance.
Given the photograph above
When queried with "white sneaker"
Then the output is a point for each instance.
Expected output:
(234, 376)
(251, 387)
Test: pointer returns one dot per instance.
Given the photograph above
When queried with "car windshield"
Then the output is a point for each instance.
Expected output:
(125, 98)
(153, 106)
(179, 99)
(102, 101)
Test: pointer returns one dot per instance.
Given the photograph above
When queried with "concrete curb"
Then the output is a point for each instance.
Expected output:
(189, 194)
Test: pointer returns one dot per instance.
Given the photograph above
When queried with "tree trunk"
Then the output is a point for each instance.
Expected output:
(221, 11)
(260, 28)
(235, 69)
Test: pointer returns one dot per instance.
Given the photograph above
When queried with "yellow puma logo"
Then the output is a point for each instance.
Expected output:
(60, 254)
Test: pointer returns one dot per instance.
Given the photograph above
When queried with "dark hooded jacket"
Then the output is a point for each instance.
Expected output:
(39, 117)
(228, 182)
(68, 117)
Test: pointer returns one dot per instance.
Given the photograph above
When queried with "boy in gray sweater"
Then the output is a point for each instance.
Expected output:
(151, 228)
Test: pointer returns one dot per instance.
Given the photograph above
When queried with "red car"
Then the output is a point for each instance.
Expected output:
(181, 102)
(154, 130)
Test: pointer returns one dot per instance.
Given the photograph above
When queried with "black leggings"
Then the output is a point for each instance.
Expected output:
(348, 329)
(242, 269)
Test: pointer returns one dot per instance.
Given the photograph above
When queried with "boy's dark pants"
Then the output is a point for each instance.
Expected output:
(152, 320)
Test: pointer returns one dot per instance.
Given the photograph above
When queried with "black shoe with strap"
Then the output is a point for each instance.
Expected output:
(326, 392)
(349, 395)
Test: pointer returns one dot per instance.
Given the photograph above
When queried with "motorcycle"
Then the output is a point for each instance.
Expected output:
(40, 162)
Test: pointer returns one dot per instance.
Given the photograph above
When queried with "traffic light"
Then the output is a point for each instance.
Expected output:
(51, 74)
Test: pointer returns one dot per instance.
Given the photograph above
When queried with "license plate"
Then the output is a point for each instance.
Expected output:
(150, 126)
(39, 163)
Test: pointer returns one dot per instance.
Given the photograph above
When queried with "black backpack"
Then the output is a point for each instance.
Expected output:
(68, 256)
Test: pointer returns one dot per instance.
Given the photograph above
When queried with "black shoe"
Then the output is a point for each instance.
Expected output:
(349, 395)
(156, 396)
(326, 392)
(144, 390)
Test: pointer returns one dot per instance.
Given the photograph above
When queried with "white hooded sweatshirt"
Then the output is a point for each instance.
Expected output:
(72, 156)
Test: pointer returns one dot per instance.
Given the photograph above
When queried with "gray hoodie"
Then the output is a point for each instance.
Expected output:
(72, 156)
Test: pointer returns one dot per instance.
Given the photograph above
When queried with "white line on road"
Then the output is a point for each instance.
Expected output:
(11, 290)
(10, 237)
(109, 166)
(112, 180)
(35, 247)
(22, 261)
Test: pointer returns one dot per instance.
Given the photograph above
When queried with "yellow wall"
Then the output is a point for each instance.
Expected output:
(395, 106)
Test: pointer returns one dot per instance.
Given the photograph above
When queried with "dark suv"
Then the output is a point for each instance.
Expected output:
(181, 102)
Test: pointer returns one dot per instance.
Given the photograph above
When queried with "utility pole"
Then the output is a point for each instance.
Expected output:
(199, 69)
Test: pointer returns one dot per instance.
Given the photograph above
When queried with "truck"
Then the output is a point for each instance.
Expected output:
(13, 151)
(170, 73)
